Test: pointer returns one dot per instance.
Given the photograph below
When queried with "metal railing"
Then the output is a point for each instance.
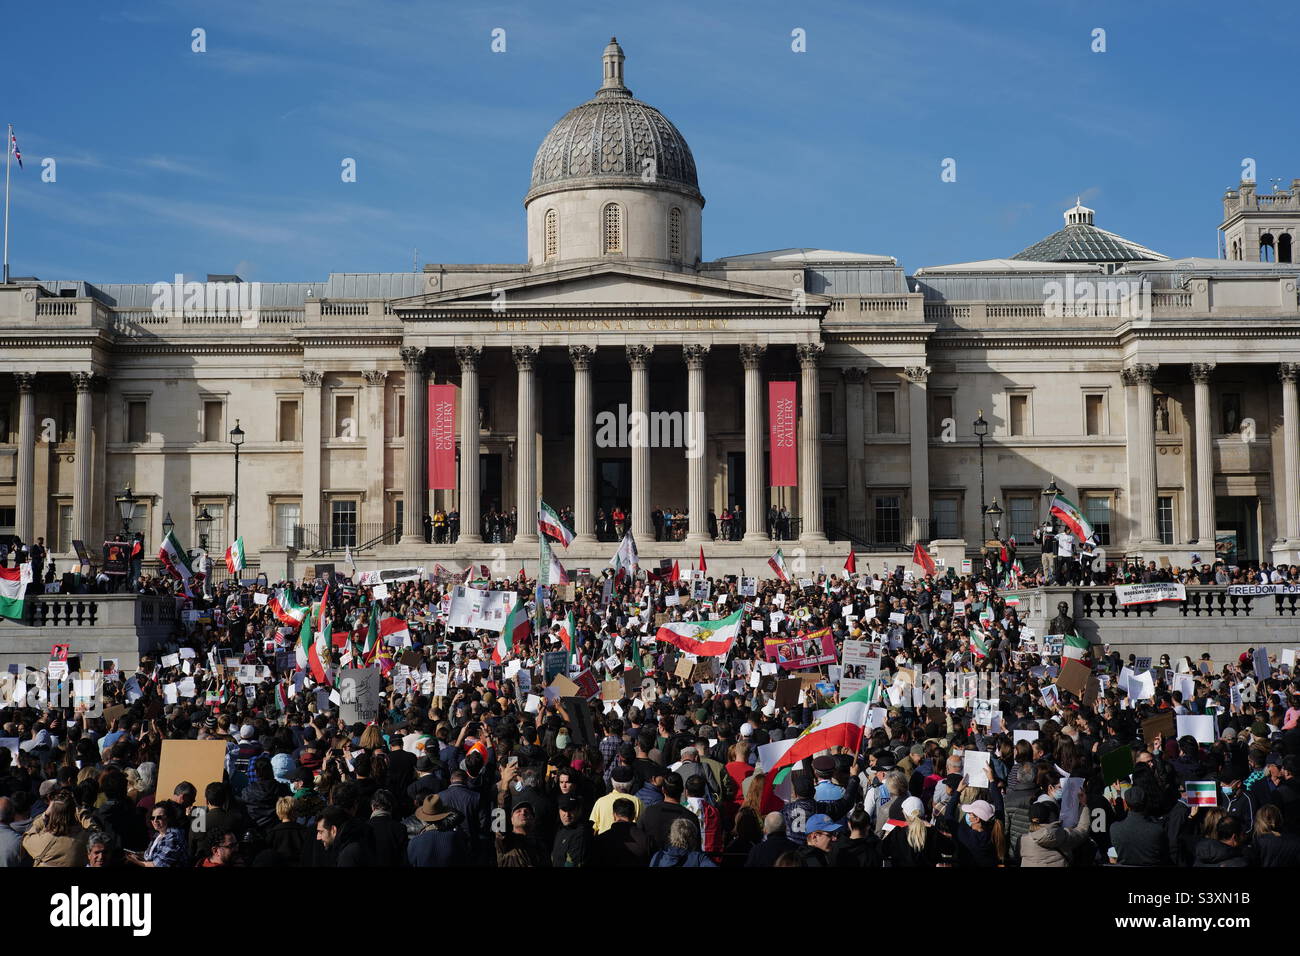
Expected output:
(322, 539)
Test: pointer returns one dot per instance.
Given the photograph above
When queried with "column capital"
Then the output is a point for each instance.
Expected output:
(1143, 373)
(525, 356)
(1200, 372)
(854, 376)
(917, 374)
(468, 356)
(310, 377)
(83, 381)
(695, 354)
(810, 354)
(751, 355)
(375, 377)
(412, 358)
(25, 380)
(638, 356)
(581, 356)
(1288, 371)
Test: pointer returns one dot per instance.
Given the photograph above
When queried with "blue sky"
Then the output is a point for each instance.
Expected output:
(229, 161)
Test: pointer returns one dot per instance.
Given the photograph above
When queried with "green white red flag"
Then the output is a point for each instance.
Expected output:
(777, 563)
(286, 609)
(13, 590)
(235, 561)
(841, 726)
(1065, 510)
(702, 638)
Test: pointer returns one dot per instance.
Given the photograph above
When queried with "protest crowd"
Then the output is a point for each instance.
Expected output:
(652, 717)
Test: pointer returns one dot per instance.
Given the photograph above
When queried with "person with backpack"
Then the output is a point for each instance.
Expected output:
(682, 848)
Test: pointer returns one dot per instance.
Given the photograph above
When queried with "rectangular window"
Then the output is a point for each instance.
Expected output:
(8, 516)
(288, 515)
(889, 518)
(1096, 508)
(212, 421)
(1165, 518)
(940, 411)
(485, 408)
(64, 543)
(289, 420)
(1231, 406)
(1094, 414)
(1020, 519)
(885, 413)
(1018, 414)
(216, 530)
(400, 401)
(135, 424)
(399, 513)
(345, 424)
(343, 524)
(6, 416)
(826, 412)
(944, 518)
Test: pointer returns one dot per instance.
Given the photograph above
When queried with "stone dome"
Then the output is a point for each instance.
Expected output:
(606, 141)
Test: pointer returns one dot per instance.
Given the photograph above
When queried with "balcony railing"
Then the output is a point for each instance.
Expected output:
(888, 534)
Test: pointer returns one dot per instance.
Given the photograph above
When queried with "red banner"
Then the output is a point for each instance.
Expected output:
(781, 420)
(442, 436)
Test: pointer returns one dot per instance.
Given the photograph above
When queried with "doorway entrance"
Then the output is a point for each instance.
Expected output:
(1236, 524)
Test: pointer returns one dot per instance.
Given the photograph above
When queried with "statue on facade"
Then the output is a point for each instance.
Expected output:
(1162, 416)
(1062, 623)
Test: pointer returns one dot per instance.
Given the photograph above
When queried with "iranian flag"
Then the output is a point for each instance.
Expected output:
(394, 630)
(516, 628)
(841, 726)
(286, 610)
(13, 590)
(625, 559)
(235, 556)
(174, 559)
(702, 638)
(1069, 515)
(550, 525)
(318, 652)
(552, 570)
(569, 632)
(1075, 646)
(1201, 793)
(777, 564)
(979, 643)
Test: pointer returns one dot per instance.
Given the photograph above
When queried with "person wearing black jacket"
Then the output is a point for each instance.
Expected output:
(774, 845)
(1287, 795)
(1139, 840)
(861, 849)
(389, 834)
(573, 839)
(347, 842)
(656, 820)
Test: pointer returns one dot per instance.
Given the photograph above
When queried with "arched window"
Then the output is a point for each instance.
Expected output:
(675, 234)
(1266, 247)
(552, 234)
(613, 220)
(1236, 248)
(1284, 247)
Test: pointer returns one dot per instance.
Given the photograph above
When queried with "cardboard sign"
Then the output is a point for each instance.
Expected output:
(1074, 676)
(359, 689)
(563, 686)
(611, 690)
(787, 692)
(1117, 764)
(199, 762)
(684, 669)
(1162, 724)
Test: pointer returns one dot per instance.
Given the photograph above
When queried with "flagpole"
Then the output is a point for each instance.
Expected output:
(9, 150)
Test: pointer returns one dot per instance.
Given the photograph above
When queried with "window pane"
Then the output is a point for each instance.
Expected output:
(135, 422)
(1019, 414)
(212, 421)
(885, 413)
(1020, 518)
(8, 517)
(943, 518)
(401, 415)
(216, 532)
(888, 519)
(344, 422)
(287, 516)
(399, 513)
(288, 421)
(940, 409)
(1093, 414)
(343, 524)
(1165, 516)
(1097, 510)
(1231, 412)
(65, 528)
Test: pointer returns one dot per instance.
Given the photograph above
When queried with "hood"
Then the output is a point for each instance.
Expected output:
(1047, 835)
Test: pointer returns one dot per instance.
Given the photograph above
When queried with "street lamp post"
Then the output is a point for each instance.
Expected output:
(126, 508)
(981, 427)
(1049, 495)
(168, 524)
(994, 513)
(236, 439)
(204, 521)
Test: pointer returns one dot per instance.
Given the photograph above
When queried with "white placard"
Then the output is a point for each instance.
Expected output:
(379, 592)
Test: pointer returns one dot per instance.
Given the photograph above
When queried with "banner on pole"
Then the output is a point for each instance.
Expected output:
(442, 436)
(781, 418)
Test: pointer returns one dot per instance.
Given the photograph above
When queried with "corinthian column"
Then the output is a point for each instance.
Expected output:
(413, 495)
(751, 357)
(525, 357)
(471, 531)
(919, 438)
(1142, 434)
(81, 504)
(856, 458)
(1288, 372)
(1204, 456)
(697, 463)
(311, 439)
(584, 492)
(638, 357)
(810, 446)
(24, 520)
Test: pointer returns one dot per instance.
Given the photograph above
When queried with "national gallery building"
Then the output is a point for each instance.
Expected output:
(614, 369)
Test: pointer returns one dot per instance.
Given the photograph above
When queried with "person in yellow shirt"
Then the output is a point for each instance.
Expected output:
(602, 814)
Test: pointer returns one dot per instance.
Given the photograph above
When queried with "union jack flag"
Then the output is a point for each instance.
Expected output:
(13, 144)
